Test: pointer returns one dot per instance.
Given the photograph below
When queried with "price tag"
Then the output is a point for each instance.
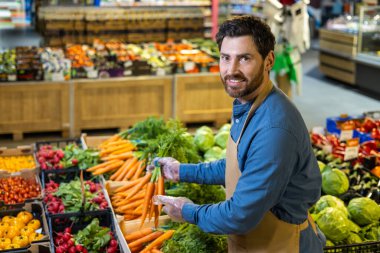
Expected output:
(352, 149)
(92, 74)
(346, 135)
(127, 64)
(318, 130)
(189, 65)
(160, 72)
(12, 77)
(57, 76)
(327, 149)
(127, 72)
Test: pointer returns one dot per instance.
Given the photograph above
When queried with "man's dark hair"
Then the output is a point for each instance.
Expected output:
(248, 25)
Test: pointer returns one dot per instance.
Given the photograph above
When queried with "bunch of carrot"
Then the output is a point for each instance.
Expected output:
(147, 240)
(134, 198)
(118, 158)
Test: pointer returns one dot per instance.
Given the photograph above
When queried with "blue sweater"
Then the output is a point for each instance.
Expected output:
(279, 173)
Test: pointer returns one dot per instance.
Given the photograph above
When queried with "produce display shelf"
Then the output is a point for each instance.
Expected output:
(370, 247)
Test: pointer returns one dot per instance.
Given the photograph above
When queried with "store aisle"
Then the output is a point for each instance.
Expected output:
(323, 97)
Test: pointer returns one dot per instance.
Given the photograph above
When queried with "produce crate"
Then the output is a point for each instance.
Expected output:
(369, 247)
(38, 213)
(29, 176)
(78, 222)
(333, 127)
(43, 247)
(18, 152)
(92, 141)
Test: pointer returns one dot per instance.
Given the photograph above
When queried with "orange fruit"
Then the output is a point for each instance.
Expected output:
(35, 237)
(7, 219)
(4, 242)
(25, 216)
(4, 226)
(35, 224)
(11, 232)
(12, 246)
(26, 231)
(17, 223)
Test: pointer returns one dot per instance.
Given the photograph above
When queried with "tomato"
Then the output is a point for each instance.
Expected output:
(25, 216)
(35, 237)
(27, 231)
(35, 224)
(21, 240)
(4, 242)
(12, 246)
(17, 223)
(11, 232)
(4, 226)
(7, 219)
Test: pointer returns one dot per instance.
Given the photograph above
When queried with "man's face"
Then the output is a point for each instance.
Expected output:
(241, 67)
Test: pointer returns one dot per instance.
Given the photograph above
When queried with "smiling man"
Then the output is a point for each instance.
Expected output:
(270, 174)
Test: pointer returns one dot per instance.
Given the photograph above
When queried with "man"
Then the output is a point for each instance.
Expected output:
(270, 173)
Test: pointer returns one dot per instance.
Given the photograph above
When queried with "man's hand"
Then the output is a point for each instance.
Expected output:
(172, 206)
(169, 165)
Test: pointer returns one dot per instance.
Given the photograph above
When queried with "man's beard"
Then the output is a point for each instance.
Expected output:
(249, 88)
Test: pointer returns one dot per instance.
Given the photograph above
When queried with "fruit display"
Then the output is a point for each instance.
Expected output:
(20, 230)
(17, 163)
(56, 67)
(17, 189)
(67, 197)
(28, 64)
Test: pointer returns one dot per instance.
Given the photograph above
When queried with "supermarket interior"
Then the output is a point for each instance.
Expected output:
(91, 91)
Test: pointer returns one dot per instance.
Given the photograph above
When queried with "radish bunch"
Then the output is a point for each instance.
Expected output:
(100, 200)
(50, 158)
(54, 204)
(64, 242)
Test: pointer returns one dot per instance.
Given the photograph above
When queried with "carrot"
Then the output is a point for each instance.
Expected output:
(123, 150)
(138, 196)
(128, 185)
(129, 217)
(93, 168)
(147, 201)
(151, 201)
(156, 251)
(104, 152)
(122, 156)
(109, 140)
(109, 167)
(155, 209)
(146, 239)
(159, 240)
(132, 170)
(130, 205)
(136, 249)
(133, 212)
(136, 188)
(121, 170)
(139, 170)
(161, 189)
(126, 169)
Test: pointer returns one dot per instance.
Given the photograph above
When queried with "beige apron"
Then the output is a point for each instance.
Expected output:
(271, 235)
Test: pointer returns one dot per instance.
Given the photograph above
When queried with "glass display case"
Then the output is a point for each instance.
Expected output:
(369, 34)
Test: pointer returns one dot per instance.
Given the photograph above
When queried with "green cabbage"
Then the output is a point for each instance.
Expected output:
(321, 166)
(334, 182)
(189, 137)
(214, 153)
(364, 211)
(204, 129)
(204, 140)
(329, 243)
(353, 226)
(225, 128)
(353, 239)
(334, 224)
(371, 232)
(330, 201)
(224, 153)
(221, 139)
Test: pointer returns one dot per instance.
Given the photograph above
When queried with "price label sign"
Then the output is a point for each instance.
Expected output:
(346, 133)
(57, 76)
(352, 149)
(327, 149)
(189, 65)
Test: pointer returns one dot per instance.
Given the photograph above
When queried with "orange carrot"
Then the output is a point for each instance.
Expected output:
(130, 205)
(109, 140)
(111, 150)
(122, 156)
(121, 170)
(93, 168)
(126, 169)
(109, 167)
(139, 170)
(137, 188)
(123, 150)
(161, 189)
(158, 241)
(128, 185)
(146, 239)
(138, 234)
(136, 249)
(147, 201)
(156, 251)
(132, 170)
(151, 211)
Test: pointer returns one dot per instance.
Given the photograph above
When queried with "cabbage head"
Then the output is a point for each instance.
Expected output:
(204, 129)
(224, 153)
(334, 224)
(321, 166)
(371, 232)
(204, 140)
(214, 153)
(353, 226)
(225, 127)
(330, 201)
(334, 182)
(188, 137)
(364, 211)
(221, 139)
(353, 239)
(329, 243)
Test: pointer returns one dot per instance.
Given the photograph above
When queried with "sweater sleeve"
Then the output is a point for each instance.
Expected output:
(269, 164)
(203, 173)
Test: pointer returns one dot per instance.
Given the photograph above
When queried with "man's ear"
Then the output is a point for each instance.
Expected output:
(269, 61)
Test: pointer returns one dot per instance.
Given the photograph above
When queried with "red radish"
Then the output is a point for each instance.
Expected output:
(111, 250)
(79, 247)
(59, 250)
(68, 230)
(74, 161)
(113, 243)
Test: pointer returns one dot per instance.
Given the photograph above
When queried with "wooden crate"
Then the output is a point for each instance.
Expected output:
(34, 107)
(120, 102)
(201, 98)
(335, 41)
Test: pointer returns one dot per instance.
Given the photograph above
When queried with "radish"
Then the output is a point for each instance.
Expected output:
(68, 230)
(72, 249)
(112, 250)
(79, 247)
(66, 237)
(59, 250)
(113, 243)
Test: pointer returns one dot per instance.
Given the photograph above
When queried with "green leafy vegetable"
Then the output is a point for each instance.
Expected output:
(330, 201)
(364, 211)
(93, 237)
(77, 156)
(334, 224)
(189, 238)
(199, 194)
(334, 182)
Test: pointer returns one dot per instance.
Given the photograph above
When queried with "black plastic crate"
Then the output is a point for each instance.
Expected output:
(78, 222)
(38, 213)
(368, 247)
(43, 247)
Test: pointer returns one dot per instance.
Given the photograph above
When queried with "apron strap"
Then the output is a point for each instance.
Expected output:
(312, 223)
